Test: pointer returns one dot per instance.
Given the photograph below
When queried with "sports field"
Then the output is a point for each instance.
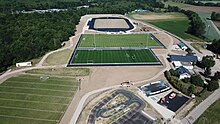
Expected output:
(35, 100)
(126, 40)
(114, 56)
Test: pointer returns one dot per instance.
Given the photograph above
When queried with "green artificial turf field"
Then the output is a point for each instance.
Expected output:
(128, 40)
(114, 56)
(30, 99)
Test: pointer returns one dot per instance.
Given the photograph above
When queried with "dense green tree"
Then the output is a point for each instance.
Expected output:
(208, 62)
(215, 46)
(197, 80)
(216, 75)
(213, 85)
(174, 73)
(197, 26)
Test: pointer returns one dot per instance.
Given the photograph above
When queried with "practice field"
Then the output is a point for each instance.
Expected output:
(143, 56)
(126, 40)
(35, 100)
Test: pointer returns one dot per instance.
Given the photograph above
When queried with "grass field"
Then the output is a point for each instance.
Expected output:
(61, 71)
(29, 99)
(130, 40)
(177, 27)
(58, 58)
(114, 56)
(175, 23)
(211, 115)
(211, 32)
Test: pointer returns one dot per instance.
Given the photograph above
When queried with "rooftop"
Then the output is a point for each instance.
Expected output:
(182, 70)
(187, 58)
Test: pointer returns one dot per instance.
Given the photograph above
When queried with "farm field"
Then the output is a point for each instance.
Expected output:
(211, 32)
(177, 27)
(114, 56)
(175, 23)
(211, 115)
(29, 99)
(130, 40)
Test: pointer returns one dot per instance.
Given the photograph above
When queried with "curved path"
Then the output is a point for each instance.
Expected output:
(40, 64)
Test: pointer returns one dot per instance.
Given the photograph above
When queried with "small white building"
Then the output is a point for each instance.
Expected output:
(24, 64)
(182, 46)
(187, 65)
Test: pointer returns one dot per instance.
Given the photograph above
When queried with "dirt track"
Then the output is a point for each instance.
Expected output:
(110, 23)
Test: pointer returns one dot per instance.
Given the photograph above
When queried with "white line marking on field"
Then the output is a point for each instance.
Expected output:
(34, 88)
(28, 118)
(36, 95)
(32, 101)
(29, 109)
(42, 84)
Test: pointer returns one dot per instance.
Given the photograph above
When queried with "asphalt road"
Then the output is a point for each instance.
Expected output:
(197, 112)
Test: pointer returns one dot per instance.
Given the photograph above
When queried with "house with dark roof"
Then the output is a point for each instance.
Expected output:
(181, 58)
(185, 61)
(183, 72)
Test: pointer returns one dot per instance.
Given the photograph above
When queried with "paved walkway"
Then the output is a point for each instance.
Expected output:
(197, 112)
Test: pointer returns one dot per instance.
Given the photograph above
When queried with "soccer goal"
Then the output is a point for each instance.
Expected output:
(90, 61)
(44, 78)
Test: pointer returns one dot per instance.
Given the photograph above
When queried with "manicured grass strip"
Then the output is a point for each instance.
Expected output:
(35, 98)
(35, 91)
(129, 40)
(33, 105)
(50, 80)
(24, 120)
(39, 86)
(72, 72)
(114, 56)
(28, 99)
(30, 113)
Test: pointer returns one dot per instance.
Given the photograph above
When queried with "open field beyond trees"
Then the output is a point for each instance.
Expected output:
(176, 23)
(211, 32)
(211, 115)
(29, 99)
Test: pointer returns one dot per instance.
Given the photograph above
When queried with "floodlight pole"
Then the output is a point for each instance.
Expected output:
(147, 41)
(94, 40)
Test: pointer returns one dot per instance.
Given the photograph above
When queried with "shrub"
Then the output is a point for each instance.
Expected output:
(213, 85)
(197, 80)
(174, 73)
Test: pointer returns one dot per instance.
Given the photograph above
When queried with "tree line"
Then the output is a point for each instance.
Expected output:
(27, 36)
(196, 25)
(215, 16)
(203, 4)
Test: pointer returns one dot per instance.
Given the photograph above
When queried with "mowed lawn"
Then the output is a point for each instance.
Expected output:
(114, 56)
(33, 100)
(127, 40)
(211, 115)
(177, 27)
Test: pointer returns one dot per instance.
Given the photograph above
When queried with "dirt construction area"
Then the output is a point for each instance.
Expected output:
(110, 23)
